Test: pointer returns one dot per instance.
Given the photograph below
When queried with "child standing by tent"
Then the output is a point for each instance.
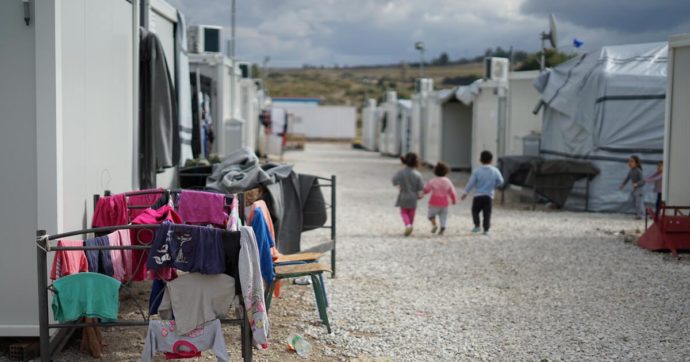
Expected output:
(656, 179)
(485, 179)
(635, 176)
(410, 184)
(442, 191)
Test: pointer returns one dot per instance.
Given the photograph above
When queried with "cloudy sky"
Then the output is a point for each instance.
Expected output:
(355, 32)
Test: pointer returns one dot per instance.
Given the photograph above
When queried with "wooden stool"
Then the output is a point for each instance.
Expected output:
(315, 271)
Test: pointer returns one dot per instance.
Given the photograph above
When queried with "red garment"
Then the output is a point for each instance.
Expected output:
(200, 207)
(67, 262)
(145, 200)
(183, 349)
(442, 190)
(145, 237)
(110, 211)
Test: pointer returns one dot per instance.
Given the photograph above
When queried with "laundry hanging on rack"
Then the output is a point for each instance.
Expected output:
(110, 211)
(68, 262)
(99, 260)
(261, 204)
(121, 260)
(253, 288)
(137, 204)
(201, 208)
(163, 336)
(187, 248)
(86, 295)
(263, 242)
(195, 299)
(146, 236)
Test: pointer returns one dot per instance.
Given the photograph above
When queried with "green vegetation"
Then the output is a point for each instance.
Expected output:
(342, 85)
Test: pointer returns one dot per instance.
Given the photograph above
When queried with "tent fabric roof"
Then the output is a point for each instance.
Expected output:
(560, 85)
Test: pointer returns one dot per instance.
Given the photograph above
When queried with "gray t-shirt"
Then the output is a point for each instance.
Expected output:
(163, 337)
(411, 184)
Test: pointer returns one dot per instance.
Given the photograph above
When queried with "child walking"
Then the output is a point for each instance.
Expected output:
(484, 179)
(411, 185)
(656, 179)
(635, 177)
(442, 191)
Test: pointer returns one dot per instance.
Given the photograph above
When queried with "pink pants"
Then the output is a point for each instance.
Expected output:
(407, 216)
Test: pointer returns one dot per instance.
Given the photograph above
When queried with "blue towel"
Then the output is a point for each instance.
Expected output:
(264, 242)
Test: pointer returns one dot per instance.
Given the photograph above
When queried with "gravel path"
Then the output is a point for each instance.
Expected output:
(545, 285)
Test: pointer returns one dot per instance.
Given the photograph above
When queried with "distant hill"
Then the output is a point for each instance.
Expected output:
(353, 85)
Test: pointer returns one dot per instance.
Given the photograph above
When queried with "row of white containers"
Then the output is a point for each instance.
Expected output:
(455, 125)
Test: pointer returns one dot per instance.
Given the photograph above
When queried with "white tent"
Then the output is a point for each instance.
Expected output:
(604, 106)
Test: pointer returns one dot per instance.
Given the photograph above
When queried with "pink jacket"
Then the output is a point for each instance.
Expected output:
(441, 190)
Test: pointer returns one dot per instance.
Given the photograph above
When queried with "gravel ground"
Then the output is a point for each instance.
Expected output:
(550, 285)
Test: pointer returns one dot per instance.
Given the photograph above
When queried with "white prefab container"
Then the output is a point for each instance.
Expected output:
(325, 122)
(227, 123)
(68, 98)
(405, 116)
(250, 108)
(677, 148)
(391, 125)
(449, 131)
(488, 120)
(522, 99)
(463, 122)
(370, 126)
(420, 117)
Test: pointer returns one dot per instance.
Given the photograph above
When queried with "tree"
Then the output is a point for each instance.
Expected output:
(553, 58)
(443, 59)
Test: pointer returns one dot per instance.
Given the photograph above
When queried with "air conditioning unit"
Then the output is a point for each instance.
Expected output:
(424, 85)
(245, 69)
(496, 69)
(204, 38)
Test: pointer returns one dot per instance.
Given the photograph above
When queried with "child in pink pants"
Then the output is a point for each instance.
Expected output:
(411, 185)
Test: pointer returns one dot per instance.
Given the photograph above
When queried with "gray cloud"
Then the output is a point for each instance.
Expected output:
(355, 32)
(635, 16)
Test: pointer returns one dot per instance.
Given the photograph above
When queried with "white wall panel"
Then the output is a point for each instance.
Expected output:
(677, 165)
(97, 103)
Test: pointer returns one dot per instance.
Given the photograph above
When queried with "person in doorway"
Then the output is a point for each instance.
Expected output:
(442, 192)
(656, 179)
(410, 185)
(635, 177)
(484, 180)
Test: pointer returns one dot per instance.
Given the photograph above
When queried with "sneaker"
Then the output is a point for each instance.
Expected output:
(434, 229)
(408, 230)
(476, 229)
(442, 231)
(486, 233)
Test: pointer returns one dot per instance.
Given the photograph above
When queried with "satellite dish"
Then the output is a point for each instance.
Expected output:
(419, 45)
(553, 33)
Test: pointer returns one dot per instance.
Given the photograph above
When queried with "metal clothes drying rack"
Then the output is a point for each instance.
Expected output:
(43, 247)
